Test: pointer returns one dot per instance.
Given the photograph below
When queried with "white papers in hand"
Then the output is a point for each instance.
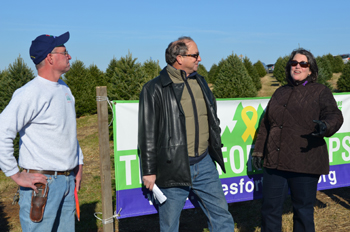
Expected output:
(158, 194)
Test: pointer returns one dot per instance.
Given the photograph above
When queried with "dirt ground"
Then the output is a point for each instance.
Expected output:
(332, 213)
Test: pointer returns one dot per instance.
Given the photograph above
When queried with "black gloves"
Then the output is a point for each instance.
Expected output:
(320, 128)
(257, 162)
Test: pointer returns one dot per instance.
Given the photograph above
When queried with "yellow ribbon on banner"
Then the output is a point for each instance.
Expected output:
(250, 123)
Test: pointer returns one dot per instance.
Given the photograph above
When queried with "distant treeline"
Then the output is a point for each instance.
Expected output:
(124, 78)
(230, 78)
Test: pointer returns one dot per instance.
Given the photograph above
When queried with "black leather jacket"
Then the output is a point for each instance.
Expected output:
(162, 131)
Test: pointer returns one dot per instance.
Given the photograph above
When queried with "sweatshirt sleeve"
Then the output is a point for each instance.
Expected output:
(13, 118)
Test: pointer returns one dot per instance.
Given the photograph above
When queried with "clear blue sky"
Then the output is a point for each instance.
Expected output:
(101, 30)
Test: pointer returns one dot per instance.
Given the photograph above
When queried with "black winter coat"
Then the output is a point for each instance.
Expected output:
(162, 131)
(284, 139)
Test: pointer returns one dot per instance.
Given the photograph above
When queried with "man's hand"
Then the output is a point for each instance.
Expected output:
(28, 180)
(149, 181)
(257, 162)
(78, 171)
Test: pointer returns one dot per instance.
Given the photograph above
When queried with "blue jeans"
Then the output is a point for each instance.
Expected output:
(60, 206)
(207, 186)
(303, 188)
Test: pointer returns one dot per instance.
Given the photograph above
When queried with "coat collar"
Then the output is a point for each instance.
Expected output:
(304, 82)
(165, 78)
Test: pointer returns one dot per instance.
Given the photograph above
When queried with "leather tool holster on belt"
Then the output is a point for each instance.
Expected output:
(39, 202)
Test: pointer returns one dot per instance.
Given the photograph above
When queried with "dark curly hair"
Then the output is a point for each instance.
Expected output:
(310, 58)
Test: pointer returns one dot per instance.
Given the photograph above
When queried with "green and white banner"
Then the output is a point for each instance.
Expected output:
(239, 120)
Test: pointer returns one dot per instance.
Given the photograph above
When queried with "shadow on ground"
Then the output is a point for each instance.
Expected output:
(4, 224)
(86, 224)
(339, 195)
(192, 220)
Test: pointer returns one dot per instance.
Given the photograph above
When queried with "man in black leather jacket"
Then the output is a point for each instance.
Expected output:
(179, 139)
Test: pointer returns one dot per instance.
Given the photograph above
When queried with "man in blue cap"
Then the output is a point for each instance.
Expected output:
(43, 113)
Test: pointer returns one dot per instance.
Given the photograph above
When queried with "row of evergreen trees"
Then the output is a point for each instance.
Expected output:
(124, 78)
(232, 78)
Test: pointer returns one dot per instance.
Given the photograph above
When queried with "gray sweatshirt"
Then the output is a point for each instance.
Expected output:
(43, 112)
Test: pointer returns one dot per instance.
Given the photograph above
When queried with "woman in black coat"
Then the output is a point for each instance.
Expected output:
(291, 143)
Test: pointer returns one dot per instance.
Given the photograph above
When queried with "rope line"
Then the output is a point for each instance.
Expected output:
(108, 220)
(101, 98)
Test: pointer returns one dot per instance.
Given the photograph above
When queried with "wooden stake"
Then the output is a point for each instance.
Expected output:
(105, 165)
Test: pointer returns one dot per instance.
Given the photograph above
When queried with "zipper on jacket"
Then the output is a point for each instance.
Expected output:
(196, 124)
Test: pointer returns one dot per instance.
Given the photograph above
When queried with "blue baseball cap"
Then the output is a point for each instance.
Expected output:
(44, 44)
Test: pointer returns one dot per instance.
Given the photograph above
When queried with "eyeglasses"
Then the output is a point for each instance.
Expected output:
(192, 55)
(303, 64)
(63, 53)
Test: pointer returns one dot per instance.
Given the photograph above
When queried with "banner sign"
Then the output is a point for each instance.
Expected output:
(239, 120)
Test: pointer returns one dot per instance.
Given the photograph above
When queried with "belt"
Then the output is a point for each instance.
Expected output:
(66, 173)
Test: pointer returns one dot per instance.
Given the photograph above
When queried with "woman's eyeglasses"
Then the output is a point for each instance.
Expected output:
(303, 64)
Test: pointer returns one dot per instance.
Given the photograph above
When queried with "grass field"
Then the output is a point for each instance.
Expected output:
(332, 210)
